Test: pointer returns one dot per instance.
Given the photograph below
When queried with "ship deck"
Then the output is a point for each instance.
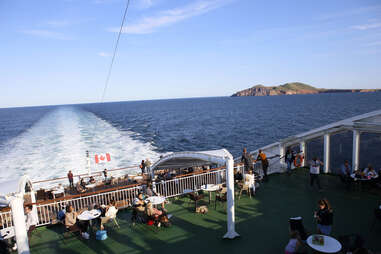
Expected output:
(261, 221)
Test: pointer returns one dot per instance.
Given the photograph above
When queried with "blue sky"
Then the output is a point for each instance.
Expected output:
(58, 51)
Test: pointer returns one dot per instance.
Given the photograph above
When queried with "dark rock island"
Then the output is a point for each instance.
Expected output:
(294, 88)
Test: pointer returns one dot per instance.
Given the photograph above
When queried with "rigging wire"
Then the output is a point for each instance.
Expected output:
(115, 51)
(107, 81)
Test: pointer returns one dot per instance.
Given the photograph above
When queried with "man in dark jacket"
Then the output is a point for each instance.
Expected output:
(247, 160)
(289, 159)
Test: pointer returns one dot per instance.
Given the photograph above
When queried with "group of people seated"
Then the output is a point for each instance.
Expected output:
(144, 211)
(70, 217)
(348, 176)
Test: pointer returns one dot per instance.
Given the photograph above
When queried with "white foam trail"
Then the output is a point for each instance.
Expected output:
(58, 143)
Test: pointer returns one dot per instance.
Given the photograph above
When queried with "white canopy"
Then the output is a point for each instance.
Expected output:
(21, 185)
(189, 159)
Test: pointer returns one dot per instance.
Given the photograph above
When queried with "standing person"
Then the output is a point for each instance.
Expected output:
(265, 163)
(289, 159)
(105, 173)
(250, 181)
(314, 172)
(70, 177)
(147, 163)
(345, 175)
(247, 160)
(143, 167)
(31, 219)
(324, 217)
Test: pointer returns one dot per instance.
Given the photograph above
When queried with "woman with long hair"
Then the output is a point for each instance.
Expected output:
(324, 217)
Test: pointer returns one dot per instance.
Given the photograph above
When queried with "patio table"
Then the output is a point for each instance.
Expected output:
(331, 245)
(7, 233)
(210, 188)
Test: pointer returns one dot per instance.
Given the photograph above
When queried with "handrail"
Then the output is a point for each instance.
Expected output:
(83, 194)
(84, 174)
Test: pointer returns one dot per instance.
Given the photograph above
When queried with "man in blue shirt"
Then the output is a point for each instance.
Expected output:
(346, 171)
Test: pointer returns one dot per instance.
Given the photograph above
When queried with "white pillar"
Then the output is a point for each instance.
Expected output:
(356, 150)
(282, 153)
(302, 148)
(231, 234)
(327, 138)
(17, 208)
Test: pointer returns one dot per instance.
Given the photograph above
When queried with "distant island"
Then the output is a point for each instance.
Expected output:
(294, 88)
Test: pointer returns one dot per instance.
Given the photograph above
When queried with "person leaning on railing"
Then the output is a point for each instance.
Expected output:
(265, 163)
(31, 219)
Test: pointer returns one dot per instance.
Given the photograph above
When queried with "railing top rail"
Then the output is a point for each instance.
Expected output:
(84, 174)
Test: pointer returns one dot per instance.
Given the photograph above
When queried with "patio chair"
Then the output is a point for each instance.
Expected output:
(195, 197)
(244, 187)
(351, 242)
(105, 220)
(221, 197)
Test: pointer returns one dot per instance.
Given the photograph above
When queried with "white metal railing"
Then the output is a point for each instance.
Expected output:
(47, 213)
(176, 187)
(6, 219)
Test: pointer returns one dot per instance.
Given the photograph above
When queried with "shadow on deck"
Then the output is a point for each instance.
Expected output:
(261, 221)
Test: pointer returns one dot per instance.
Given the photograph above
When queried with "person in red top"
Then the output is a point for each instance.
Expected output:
(70, 177)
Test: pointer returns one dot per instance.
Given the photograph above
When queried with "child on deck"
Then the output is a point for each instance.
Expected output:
(293, 244)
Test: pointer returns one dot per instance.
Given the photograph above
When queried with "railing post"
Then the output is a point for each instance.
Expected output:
(231, 234)
(17, 206)
(327, 138)
(356, 150)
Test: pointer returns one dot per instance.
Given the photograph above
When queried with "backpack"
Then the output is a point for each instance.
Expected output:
(101, 235)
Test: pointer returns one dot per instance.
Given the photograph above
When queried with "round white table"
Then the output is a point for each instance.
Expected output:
(58, 191)
(156, 200)
(360, 180)
(89, 215)
(7, 233)
(210, 188)
(90, 186)
(331, 245)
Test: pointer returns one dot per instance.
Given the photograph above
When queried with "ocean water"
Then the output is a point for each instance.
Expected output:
(46, 142)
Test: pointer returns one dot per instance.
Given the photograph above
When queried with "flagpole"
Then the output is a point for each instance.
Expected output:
(88, 163)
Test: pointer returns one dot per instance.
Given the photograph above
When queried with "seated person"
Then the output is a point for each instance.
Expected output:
(152, 211)
(82, 183)
(31, 219)
(80, 188)
(237, 175)
(110, 213)
(71, 219)
(138, 208)
(370, 172)
(92, 180)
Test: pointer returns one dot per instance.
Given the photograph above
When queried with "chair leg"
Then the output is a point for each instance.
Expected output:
(116, 223)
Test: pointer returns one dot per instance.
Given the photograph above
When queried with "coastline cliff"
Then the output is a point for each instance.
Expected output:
(293, 88)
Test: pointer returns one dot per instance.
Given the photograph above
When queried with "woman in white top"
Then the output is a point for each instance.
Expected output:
(314, 172)
(250, 181)
(111, 212)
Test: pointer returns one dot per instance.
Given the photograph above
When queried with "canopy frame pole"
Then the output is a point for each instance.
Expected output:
(231, 234)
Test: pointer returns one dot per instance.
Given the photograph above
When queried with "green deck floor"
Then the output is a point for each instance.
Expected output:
(261, 221)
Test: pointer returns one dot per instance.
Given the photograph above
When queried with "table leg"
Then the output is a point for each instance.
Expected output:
(210, 196)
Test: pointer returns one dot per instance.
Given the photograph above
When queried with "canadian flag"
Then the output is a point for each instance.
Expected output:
(102, 158)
